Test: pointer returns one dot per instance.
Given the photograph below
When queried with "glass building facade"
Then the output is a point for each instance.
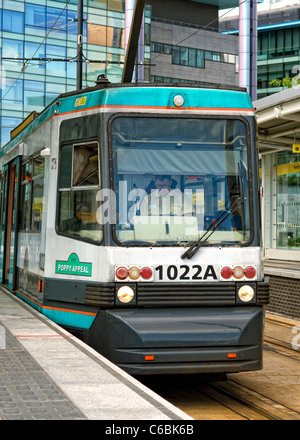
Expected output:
(278, 57)
(39, 47)
(38, 50)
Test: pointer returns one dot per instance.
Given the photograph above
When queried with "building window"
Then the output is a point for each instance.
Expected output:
(187, 56)
(56, 19)
(35, 50)
(278, 43)
(288, 200)
(111, 5)
(35, 15)
(12, 49)
(13, 21)
(13, 92)
(105, 36)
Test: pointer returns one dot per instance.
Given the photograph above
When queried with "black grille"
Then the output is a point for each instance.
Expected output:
(167, 295)
(263, 293)
(170, 295)
(101, 295)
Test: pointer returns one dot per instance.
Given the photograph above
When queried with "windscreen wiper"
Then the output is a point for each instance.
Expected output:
(212, 228)
(221, 217)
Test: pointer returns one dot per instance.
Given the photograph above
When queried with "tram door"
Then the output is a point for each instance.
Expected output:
(8, 248)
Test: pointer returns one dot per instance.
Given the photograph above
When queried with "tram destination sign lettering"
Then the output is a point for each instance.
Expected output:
(73, 267)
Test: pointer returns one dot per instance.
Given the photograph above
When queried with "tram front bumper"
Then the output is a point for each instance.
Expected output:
(186, 340)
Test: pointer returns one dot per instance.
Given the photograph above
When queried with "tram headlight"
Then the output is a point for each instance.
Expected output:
(246, 293)
(125, 295)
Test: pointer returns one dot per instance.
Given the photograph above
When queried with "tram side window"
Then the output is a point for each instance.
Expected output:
(78, 186)
(25, 197)
(32, 189)
(37, 194)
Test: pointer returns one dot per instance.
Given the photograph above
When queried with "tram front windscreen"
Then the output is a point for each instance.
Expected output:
(173, 177)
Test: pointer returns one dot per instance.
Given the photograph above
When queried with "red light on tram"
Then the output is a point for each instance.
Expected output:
(122, 273)
(226, 272)
(231, 355)
(146, 273)
(250, 272)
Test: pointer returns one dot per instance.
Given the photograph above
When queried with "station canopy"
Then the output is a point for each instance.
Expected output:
(278, 121)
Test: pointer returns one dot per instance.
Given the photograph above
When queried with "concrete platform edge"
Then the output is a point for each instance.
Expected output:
(154, 406)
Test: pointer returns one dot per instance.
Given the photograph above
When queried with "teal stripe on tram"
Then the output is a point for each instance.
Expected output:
(69, 318)
(163, 97)
(61, 317)
(139, 97)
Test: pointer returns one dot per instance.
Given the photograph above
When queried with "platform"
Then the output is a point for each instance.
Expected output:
(47, 373)
(282, 268)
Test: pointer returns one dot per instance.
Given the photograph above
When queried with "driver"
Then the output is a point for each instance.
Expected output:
(166, 201)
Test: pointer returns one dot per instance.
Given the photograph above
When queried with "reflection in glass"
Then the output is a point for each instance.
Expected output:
(173, 177)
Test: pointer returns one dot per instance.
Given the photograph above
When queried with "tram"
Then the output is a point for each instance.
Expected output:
(130, 216)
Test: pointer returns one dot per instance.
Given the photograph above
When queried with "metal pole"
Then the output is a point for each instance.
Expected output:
(133, 39)
(79, 43)
(141, 51)
(138, 73)
(253, 93)
(244, 43)
(129, 10)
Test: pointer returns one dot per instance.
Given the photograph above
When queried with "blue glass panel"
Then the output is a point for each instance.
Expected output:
(175, 55)
(32, 98)
(13, 21)
(56, 19)
(12, 48)
(56, 51)
(71, 70)
(200, 58)
(35, 15)
(5, 135)
(34, 85)
(53, 67)
(10, 122)
(50, 97)
(192, 57)
(72, 25)
(34, 49)
(13, 91)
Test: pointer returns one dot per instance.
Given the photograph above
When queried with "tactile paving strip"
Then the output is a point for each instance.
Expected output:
(26, 391)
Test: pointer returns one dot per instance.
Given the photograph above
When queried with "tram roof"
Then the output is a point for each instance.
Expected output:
(106, 94)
